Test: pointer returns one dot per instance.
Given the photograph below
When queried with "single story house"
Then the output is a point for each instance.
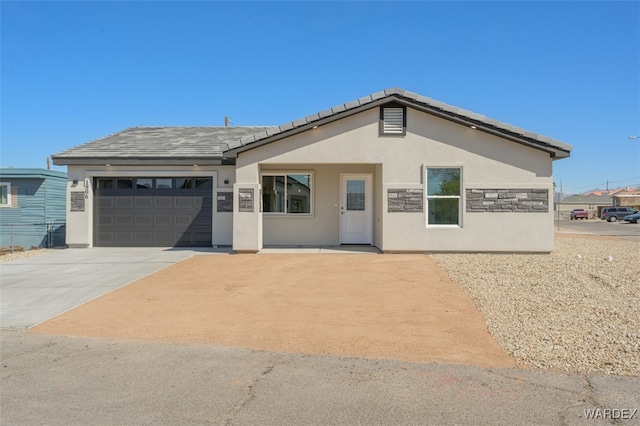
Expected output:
(627, 199)
(393, 169)
(592, 203)
(32, 208)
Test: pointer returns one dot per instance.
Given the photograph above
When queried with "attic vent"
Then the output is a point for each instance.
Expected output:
(392, 121)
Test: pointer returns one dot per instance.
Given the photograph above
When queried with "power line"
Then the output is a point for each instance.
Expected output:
(604, 183)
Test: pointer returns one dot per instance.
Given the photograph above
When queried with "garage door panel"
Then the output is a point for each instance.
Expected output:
(163, 220)
(105, 238)
(164, 238)
(163, 202)
(183, 202)
(105, 220)
(144, 238)
(124, 219)
(144, 219)
(144, 202)
(105, 202)
(124, 237)
(153, 217)
(124, 202)
(183, 220)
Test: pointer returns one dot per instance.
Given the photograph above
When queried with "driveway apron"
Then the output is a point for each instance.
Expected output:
(38, 288)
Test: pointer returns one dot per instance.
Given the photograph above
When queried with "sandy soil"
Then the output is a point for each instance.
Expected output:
(400, 307)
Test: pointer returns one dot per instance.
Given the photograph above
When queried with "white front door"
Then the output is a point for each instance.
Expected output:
(356, 208)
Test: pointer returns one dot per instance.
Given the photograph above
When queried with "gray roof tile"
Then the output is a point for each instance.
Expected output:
(300, 122)
(162, 142)
(212, 142)
(352, 104)
(378, 95)
(325, 113)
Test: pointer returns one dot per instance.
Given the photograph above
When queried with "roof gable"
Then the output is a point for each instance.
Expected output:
(555, 148)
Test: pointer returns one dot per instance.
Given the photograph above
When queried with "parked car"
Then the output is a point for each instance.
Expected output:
(579, 214)
(632, 218)
(611, 214)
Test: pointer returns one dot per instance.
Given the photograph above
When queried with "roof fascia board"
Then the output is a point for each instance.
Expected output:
(233, 153)
(555, 153)
(496, 131)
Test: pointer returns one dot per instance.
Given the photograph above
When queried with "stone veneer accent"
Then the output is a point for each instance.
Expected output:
(225, 201)
(245, 202)
(405, 200)
(507, 200)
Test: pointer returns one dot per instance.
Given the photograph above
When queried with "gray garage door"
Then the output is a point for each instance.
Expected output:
(152, 212)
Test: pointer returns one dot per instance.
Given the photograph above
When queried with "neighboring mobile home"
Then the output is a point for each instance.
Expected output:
(32, 208)
(393, 169)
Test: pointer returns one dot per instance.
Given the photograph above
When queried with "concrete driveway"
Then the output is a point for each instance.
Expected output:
(37, 288)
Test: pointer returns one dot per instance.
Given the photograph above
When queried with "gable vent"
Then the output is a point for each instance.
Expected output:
(393, 121)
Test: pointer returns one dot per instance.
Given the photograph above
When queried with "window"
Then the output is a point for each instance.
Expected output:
(393, 120)
(443, 196)
(124, 183)
(144, 183)
(164, 183)
(5, 194)
(183, 183)
(286, 193)
(104, 183)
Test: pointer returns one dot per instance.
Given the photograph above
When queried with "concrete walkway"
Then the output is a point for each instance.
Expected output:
(37, 288)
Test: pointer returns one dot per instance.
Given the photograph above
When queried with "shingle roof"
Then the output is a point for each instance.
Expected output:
(556, 148)
(158, 145)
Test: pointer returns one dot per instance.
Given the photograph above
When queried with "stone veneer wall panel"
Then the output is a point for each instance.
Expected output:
(507, 200)
(405, 200)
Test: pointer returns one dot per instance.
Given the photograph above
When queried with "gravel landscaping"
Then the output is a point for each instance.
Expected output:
(7, 256)
(575, 310)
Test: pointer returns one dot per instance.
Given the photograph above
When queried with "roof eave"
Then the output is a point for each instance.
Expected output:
(139, 161)
(554, 151)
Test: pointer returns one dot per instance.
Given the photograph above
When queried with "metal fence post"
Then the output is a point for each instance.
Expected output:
(12, 226)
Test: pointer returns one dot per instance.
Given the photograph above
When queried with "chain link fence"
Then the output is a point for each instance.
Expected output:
(17, 236)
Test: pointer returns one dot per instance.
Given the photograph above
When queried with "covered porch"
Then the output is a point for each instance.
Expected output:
(309, 205)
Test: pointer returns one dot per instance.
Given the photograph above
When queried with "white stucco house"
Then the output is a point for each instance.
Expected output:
(394, 169)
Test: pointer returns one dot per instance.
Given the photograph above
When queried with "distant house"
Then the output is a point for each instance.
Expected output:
(593, 203)
(32, 208)
(393, 169)
(627, 199)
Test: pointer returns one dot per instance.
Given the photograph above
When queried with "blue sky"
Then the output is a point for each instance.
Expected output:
(76, 71)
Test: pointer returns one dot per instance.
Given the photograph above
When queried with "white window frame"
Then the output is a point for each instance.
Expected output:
(8, 186)
(458, 197)
(285, 174)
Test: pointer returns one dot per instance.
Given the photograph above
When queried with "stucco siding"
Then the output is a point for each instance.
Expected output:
(486, 162)
(322, 227)
(80, 223)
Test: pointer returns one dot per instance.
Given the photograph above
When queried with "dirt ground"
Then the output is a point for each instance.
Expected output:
(401, 307)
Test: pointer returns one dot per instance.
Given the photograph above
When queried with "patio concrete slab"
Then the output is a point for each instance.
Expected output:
(37, 288)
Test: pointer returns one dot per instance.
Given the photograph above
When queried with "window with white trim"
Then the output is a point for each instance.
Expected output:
(443, 195)
(393, 121)
(5, 194)
(286, 193)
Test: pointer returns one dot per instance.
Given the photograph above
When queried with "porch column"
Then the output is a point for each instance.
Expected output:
(247, 217)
